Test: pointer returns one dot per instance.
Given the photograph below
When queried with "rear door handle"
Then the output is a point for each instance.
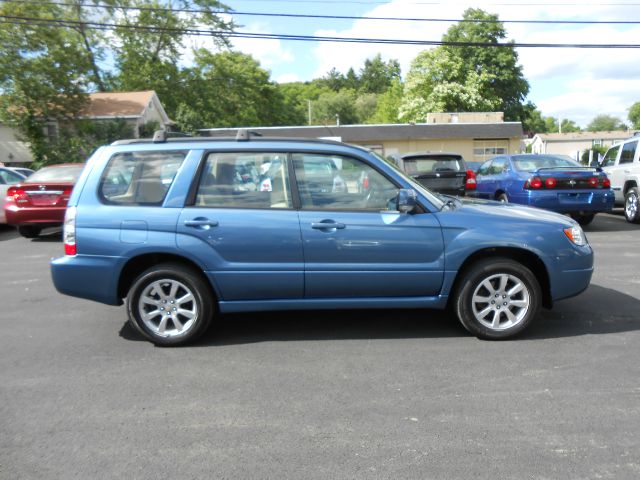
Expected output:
(200, 222)
(328, 225)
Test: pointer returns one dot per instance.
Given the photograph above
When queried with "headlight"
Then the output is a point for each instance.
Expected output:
(576, 235)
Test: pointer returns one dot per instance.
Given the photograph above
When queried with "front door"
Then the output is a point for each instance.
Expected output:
(355, 243)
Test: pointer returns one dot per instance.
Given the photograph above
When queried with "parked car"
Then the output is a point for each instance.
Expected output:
(621, 163)
(181, 252)
(40, 200)
(474, 166)
(23, 170)
(440, 172)
(7, 177)
(546, 181)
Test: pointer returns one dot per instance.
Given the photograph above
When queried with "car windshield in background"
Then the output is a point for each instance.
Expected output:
(56, 174)
(434, 164)
(530, 163)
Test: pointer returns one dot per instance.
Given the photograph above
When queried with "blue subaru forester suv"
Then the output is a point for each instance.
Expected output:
(182, 230)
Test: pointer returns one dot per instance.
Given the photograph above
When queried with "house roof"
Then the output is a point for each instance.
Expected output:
(584, 136)
(377, 133)
(117, 104)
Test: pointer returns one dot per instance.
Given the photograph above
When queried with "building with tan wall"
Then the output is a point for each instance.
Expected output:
(474, 141)
(13, 152)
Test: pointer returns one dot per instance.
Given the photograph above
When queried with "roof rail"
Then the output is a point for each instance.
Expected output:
(160, 136)
(244, 135)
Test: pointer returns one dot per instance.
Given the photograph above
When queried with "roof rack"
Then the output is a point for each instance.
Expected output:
(244, 135)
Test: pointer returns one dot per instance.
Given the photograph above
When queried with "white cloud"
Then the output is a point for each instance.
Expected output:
(288, 77)
(586, 82)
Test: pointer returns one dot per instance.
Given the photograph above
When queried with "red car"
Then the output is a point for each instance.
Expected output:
(41, 200)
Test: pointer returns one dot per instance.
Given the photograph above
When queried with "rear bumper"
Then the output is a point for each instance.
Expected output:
(567, 201)
(91, 277)
(35, 215)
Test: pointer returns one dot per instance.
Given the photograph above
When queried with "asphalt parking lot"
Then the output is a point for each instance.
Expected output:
(365, 394)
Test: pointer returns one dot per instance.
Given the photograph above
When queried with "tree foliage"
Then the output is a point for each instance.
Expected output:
(634, 115)
(605, 123)
(467, 78)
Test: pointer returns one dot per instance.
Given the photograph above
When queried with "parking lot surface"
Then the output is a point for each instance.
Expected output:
(348, 394)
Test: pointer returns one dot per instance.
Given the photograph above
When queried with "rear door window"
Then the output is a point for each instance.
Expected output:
(139, 178)
(245, 180)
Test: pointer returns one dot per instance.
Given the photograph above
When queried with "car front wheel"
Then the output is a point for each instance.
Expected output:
(497, 298)
(170, 304)
(632, 206)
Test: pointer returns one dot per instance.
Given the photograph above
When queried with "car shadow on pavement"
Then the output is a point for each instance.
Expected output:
(597, 311)
(53, 234)
(613, 222)
(8, 233)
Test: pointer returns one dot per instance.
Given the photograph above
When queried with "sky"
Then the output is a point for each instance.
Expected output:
(576, 84)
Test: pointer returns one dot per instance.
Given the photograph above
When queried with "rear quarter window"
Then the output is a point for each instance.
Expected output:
(139, 178)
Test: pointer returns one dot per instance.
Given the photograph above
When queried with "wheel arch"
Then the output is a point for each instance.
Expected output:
(136, 265)
(499, 192)
(628, 185)
(523, 256)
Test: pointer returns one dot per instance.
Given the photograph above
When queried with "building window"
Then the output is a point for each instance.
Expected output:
(597, 143)
(485, 149)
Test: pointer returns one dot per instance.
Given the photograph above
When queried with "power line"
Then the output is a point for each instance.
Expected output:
(340, 17)
(34, 21)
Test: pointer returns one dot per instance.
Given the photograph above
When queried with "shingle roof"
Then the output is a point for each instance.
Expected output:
(376, 133)
(117, 104)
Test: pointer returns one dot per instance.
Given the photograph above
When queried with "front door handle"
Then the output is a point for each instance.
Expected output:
(201, 222)
(327, 225)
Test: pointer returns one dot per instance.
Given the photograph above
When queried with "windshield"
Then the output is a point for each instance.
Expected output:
(66, 174)
(433, 163)
(428, 194)
(530, 163)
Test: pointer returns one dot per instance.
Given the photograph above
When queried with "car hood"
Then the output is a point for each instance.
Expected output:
(510, 211)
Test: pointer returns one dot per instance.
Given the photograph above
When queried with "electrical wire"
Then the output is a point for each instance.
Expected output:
(31, 21)
(335, 17)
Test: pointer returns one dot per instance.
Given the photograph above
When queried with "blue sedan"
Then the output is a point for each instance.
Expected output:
(551, 182)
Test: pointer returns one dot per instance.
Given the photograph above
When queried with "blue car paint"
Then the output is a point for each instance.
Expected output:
(379, 260)
(558, 200)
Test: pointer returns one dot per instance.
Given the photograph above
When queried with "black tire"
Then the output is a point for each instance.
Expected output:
(523, 304)
(29, 231)
(584, 219)
(632, 205)
(166, 287)
(503, 198)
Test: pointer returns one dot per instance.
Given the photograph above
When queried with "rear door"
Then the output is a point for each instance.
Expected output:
(243, 227)
(355, 243)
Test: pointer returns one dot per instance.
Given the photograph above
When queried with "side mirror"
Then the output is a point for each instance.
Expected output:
(407, 200)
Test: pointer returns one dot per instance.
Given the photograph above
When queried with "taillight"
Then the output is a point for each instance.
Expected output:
(593, 182)
(606, 183)
(69, 231)
(16, 195)
(365, 183)
(471, 183)
(533, 183)
(550, 183)
(67, 192)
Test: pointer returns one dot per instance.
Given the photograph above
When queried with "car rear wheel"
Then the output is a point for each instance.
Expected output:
(503, 198)
(170, 304)
(497, 298)
(29, 231)
(632, 206)
(584, 219)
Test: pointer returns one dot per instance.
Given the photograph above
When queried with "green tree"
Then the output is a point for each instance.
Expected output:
(377, 75)
(569, 126)
(332, 107)
(228, 89)
(366, 105)
(634, 115)
(605, 123)
(467, 78)
(388, 105)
